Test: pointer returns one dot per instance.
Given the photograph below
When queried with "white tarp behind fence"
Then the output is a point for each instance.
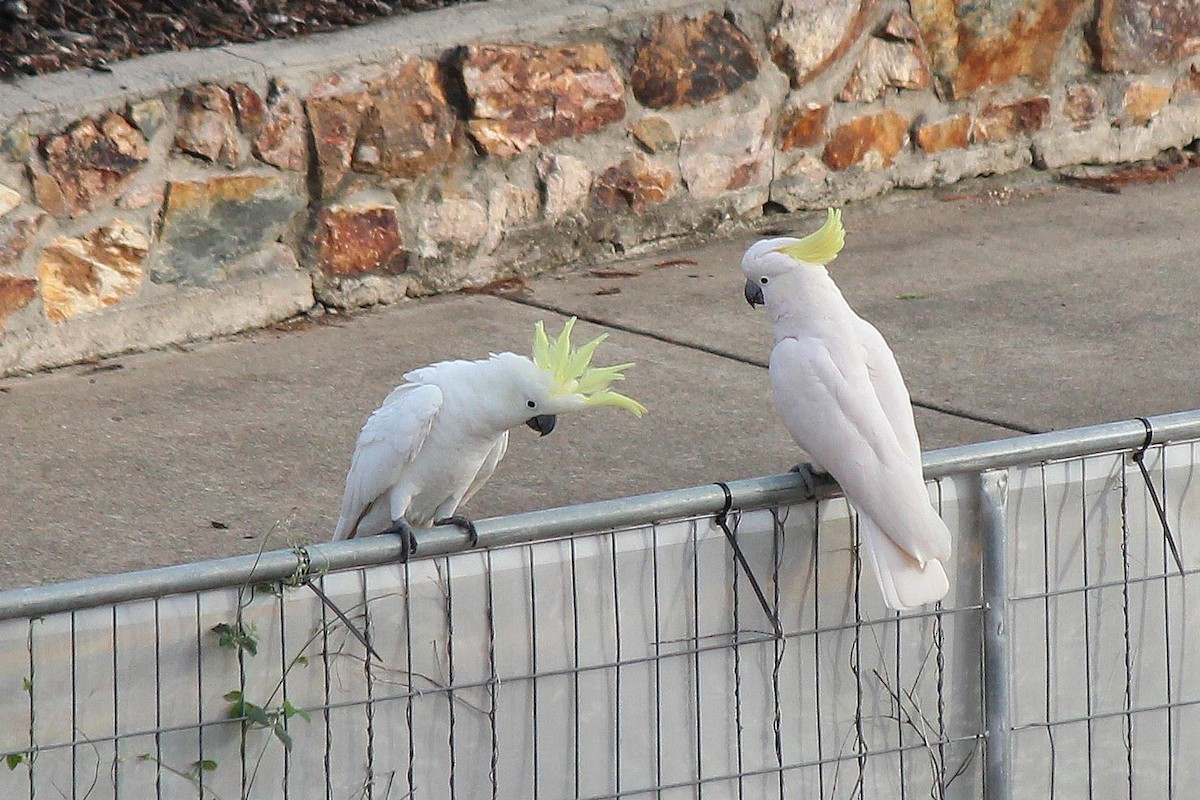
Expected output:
(639, 664)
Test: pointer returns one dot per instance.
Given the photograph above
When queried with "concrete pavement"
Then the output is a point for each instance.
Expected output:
(1012, 305)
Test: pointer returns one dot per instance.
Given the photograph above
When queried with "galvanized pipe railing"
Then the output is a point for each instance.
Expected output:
(749, 494)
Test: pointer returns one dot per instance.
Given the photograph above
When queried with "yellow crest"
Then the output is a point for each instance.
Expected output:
(571, 371)
(822, 246)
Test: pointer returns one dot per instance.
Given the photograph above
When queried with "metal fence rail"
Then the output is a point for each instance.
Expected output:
(614, 651)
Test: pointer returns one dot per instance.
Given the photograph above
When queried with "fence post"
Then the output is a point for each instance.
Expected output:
(993, 501)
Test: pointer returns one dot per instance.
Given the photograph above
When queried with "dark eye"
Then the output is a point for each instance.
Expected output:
(531, 404)
(763, 281)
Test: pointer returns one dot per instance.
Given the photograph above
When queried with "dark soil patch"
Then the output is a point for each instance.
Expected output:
(39, 36)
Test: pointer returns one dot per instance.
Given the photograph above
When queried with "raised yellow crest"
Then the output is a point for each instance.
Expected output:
(822, 246)
(571, 371)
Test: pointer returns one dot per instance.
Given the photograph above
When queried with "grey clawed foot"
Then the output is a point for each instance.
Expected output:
(460, 521)
(810, 476)
(408, 539)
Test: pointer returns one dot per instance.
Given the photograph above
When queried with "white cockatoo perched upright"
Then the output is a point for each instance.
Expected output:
(438, 437)
(839, 391)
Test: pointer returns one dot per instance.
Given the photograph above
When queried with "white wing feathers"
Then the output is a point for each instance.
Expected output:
(852, 413)
(390, 440)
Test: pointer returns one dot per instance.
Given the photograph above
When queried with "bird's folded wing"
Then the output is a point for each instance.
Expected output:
(884, 374)
(833, 413)
(390, 439)
(489, 466)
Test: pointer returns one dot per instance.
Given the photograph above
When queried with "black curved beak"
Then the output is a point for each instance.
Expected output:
(543, 423)
(754, 294)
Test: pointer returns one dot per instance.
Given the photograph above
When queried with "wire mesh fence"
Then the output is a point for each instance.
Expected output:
(636, 662)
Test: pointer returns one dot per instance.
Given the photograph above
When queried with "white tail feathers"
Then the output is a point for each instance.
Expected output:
(904, 583)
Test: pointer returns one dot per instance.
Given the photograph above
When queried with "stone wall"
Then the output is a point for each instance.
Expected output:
(185, 195)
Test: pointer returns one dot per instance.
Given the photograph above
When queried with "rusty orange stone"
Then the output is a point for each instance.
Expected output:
(1000, 123)
(1141, 101)
(359, 239)
(995, 43)
(634, 184)
(947, 134)
(803, 126)
(89, 163)
(15, 293)
(873, 141)
(408, 130)
(691, 61)
(335, 110)
(524, 96)
(249, 107)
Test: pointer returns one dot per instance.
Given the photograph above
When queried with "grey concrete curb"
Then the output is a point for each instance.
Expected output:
(185, 316)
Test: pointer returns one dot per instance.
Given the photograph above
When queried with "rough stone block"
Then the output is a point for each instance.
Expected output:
(335, 110)
(16, 292)
(635, 184)
(524, 96)
(655, 134)
(1141, 101)
(1082, 105)
(995, 42)
(9, 199)
(88, 164)
(458, 221)
(803, 126)
(882, 65)
(15, 237)
(566, 183)
(691, 61)
(249, 108)
(1142, 35)
(207, 225)
(359, 238)
(872, 141)
(731, 152)
(1002, 122)
(953, 133)
(408, 128)
(207, 125)
(89, 272)
(811, 35)
(282, 137)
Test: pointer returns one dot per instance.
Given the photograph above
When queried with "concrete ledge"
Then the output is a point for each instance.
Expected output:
(197, 314)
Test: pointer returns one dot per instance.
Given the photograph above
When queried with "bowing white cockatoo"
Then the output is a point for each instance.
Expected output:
(438, 437)
(839, 391)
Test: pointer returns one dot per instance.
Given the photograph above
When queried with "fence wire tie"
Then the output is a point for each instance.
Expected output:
(1139, 459)
(722, 520)
(302, 573)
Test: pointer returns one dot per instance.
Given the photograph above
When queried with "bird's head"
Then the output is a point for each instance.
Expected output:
(560, 379)
(782, 261)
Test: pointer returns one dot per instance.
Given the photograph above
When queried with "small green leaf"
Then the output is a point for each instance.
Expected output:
(233, 697)
(282, 735)
(257, 715)
(302, 660)
(236, 637)
(27, 683)
(205, 765)
(290, 711)
(911, 296)
(14, 760)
